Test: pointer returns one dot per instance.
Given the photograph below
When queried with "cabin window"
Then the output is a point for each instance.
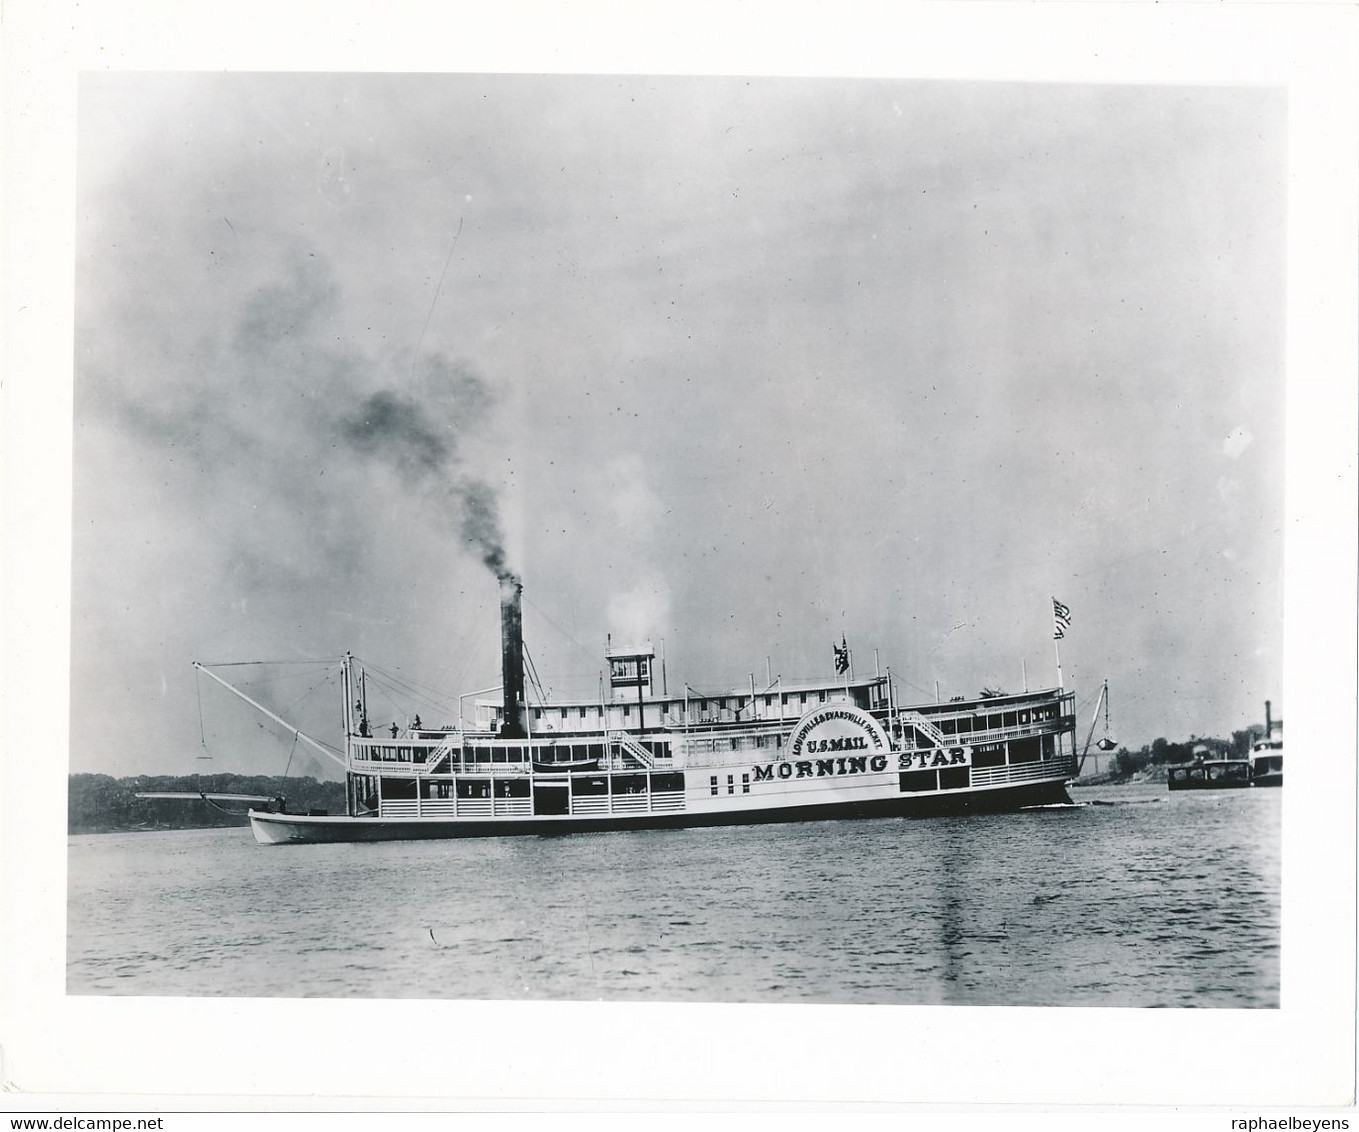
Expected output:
(917, 781)
(398, 789)
(712, 783)
(1025, 751)
(988, 756)
(582, 712)
(537, 713)
(627, 711)
(731, 784)
(629, 784)
(563, 714)
(955, 778)
(745, 784)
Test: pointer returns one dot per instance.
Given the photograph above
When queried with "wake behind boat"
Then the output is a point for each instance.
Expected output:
(640, 758)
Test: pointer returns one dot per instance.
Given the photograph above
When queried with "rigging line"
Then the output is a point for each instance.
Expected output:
(540, 612)
(309, 692)
(388, 694)
(406, 684)
(243, 663)
(439, 287)
(198, 691)
(533, 676)
(215, 806)
(425, 695)
(291, 753)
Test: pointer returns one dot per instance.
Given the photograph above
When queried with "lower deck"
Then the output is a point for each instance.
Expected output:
(286, 828)
(740, 787)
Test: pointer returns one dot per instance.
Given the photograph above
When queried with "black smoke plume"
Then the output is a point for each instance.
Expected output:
(422, 439)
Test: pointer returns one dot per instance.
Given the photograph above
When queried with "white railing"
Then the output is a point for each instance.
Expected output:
(436, 756)
(632, 747)
(590, 804)
(438, 808)
(925, 727)
(665, 801)
(1021, 772)
(475, 808)
(628, 803)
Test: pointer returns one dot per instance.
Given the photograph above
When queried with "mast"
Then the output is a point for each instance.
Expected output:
(276, 718)
(1103, 699)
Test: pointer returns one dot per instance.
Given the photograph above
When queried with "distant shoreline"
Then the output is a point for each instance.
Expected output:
(99, 803)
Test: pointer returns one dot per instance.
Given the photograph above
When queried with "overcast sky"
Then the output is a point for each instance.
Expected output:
(740, 365)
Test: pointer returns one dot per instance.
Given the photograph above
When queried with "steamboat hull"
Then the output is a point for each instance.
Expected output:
(283, 829)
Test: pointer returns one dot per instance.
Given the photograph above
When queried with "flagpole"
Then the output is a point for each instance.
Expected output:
(1061, 621)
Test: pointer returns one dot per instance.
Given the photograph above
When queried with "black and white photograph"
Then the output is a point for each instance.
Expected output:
(641, 538)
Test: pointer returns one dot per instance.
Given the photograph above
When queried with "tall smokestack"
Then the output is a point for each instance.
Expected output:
(1269, 722)
(512, 656)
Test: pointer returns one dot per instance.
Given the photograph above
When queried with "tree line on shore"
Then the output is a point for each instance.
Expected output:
(99, 803)
(1162, 752)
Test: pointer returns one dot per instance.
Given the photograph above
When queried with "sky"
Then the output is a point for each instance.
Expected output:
(737, 365)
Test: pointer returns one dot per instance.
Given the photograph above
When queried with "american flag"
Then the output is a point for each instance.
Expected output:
(1061, 619)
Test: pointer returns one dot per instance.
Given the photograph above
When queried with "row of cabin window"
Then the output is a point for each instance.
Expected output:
(962, 725)
(556, 752)
(665, 707)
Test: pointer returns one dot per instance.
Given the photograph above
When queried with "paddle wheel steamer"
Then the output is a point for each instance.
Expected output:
(639, 758)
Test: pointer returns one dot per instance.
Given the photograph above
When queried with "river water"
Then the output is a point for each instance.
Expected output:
(1138, 897)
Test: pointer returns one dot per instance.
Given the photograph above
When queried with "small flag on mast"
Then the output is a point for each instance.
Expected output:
(1061, 619)
(841, 655)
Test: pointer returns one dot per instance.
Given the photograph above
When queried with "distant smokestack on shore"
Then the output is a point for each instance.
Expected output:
(512, 655)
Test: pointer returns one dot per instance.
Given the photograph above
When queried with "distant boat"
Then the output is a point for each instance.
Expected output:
(1210, 774)
(1267, 754)
(1267, 763)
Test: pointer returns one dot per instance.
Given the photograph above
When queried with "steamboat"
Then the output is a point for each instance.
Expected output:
(638, 758)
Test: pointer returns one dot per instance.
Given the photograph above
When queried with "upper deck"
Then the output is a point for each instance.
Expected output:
(711, 731)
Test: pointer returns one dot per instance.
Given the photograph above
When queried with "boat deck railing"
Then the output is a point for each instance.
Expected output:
(658, 802)
(1004, 734)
